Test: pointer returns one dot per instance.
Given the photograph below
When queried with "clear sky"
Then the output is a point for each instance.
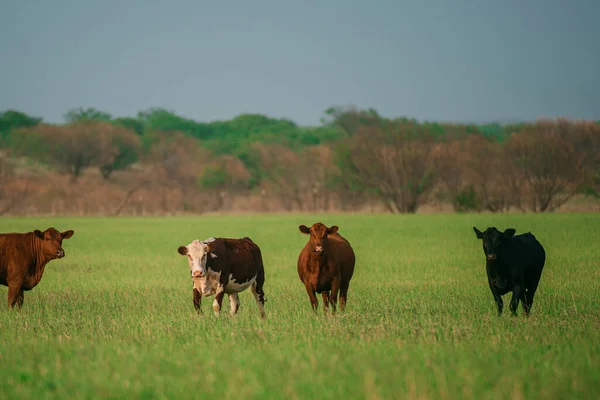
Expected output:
(446, 60)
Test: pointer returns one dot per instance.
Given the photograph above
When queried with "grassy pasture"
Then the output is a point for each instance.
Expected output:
(114, 318)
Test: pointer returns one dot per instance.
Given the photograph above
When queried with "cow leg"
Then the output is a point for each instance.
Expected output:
(528, 300)
(325, 296)
(499, 303)
(311, 296)
(15, 295)
(343, 294)
(20, 298)
(516, 296)
(526, 307)
(497, 299)
(197, 300)
(528, 296)
(234, 303)
(218, 301)
(259, 296)
(335, 287)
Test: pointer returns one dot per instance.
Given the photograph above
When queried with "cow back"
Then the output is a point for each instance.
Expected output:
(527, 250)
(344, 254)
(238, 257)
(16, 255)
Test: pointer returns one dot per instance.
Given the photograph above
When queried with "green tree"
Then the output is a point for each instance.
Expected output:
(162, 120)
(350, 119)
(125, 149)
(11, 120)
(89, 114)
(133, 124)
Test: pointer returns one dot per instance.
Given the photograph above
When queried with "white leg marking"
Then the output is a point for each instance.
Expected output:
(234, 302)
(216, 308)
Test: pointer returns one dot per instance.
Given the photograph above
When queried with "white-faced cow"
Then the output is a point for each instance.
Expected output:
(23, 258)
(326, 265)
(513, 263)
(225, 266)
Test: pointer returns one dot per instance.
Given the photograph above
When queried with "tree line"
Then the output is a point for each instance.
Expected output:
(159, 162)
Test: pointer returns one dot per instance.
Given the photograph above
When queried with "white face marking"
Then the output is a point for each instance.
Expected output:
(197, 253)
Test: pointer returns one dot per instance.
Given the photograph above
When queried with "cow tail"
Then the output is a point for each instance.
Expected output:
(260, 275)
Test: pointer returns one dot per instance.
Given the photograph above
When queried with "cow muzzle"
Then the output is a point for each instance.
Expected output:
(197, 274)
(318, 250)
(60, 253)
(491, 257)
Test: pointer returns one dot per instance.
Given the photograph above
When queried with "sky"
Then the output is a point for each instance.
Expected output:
(442, 60)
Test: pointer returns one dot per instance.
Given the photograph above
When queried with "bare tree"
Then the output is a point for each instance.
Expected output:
(395, 164)
(177, 162)
(125, 149)
(315, 170)
(281, 173)
(71, 148)
(489, 173)
(13, 192)
(550, 165)
(224, 179)
(450, 159)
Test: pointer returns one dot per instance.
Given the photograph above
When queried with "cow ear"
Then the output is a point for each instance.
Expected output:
(304, 229)
(38, 233)
(332, 229)
(67, 234)
(210, 247)
(182, 250)
(510, 232)
(478, 233)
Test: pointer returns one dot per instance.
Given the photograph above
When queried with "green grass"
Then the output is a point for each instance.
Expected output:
(114, 318)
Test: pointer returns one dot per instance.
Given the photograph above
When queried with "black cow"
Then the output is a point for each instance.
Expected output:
(513, 263)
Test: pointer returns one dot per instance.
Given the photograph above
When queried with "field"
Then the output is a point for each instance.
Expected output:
(114, 318)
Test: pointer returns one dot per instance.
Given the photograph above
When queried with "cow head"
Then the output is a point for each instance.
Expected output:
(197, 253)
(492, 239)
(51, 246)
(318, 236)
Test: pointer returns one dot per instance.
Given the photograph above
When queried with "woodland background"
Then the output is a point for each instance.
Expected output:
(160, 163)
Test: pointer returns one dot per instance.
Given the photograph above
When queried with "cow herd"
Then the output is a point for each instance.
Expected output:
(220, 266)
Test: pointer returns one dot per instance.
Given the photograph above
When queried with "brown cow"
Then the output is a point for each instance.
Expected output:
(326, 264)
(219, 266)
(23, 257)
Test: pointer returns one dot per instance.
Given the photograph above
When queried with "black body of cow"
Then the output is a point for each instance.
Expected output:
(513, 263)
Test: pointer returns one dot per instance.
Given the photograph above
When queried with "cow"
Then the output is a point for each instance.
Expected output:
(23, 258)
(513, 263)
(220, 266)
(326, 265)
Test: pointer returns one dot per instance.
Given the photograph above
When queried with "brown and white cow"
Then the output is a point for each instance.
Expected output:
(23, 258)
(222, 266)
(326, 265)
